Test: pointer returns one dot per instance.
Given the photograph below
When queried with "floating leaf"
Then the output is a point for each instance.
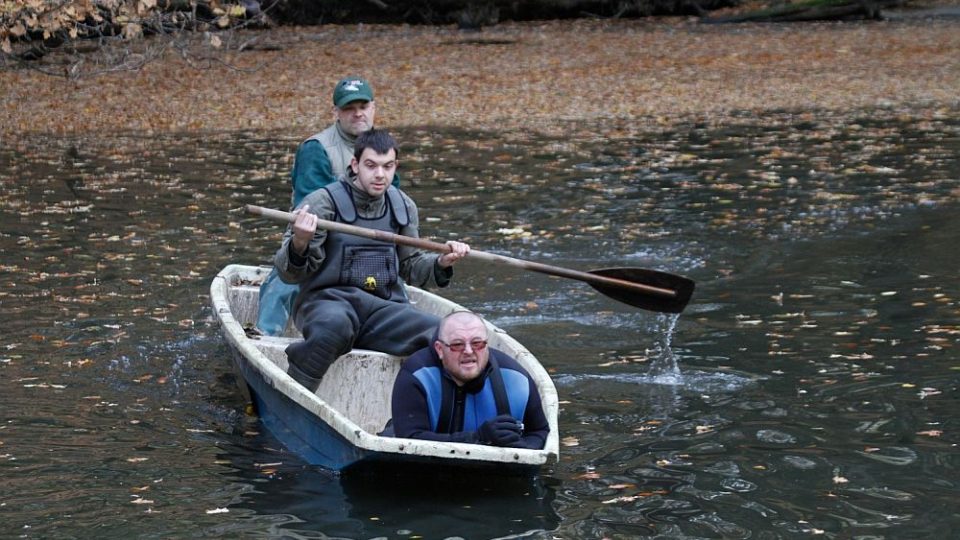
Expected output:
(621, 499)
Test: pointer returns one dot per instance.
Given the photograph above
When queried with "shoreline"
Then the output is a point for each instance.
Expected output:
(620, 75)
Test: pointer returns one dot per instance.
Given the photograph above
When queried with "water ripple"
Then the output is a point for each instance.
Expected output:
(694, 381)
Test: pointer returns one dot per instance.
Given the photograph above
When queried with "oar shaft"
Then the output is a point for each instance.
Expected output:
(346, 228)
(474, 253)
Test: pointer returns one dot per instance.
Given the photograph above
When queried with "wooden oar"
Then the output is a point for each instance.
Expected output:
(646, 289)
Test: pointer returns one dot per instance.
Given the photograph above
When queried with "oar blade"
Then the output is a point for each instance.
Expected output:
(683, 287)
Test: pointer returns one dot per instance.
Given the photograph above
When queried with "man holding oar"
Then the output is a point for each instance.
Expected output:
(351, 295)
(320, 160)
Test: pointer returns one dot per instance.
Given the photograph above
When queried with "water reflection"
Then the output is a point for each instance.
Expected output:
(384, 501)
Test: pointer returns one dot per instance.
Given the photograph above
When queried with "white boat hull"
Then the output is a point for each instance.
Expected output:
(337, 426)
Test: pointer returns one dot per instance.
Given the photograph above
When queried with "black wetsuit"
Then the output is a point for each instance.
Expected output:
(428, 404)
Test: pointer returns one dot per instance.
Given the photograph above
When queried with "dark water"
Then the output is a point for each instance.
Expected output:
(809, 390)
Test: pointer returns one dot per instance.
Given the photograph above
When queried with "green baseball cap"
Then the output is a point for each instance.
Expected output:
(352, 89)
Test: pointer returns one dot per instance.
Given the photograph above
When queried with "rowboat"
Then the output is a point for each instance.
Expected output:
(337, 426)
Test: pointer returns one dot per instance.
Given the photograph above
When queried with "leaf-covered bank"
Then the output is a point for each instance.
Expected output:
(627, 75)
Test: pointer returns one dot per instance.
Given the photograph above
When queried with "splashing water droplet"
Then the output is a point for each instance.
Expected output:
(664, 369)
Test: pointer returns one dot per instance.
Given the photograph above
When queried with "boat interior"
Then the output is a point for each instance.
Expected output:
(359, 385)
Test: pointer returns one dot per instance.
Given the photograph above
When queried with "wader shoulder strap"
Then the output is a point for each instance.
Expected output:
(398, 207)
(342, 201)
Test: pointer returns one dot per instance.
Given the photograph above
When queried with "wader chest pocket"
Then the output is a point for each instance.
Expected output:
(373, 269)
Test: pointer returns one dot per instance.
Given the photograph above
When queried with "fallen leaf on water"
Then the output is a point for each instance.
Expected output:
(611, 363)
(570, 441)
(630, 498)
(931, 432)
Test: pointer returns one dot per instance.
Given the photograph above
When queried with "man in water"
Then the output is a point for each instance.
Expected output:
(460, 390)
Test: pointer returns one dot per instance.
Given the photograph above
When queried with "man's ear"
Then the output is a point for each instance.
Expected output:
(355, 165)
(439, 348)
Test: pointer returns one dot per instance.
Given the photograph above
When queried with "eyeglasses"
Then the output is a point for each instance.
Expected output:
(476, 345)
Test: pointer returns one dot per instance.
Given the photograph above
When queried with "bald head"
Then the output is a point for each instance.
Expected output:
(459, 319)
(462, 346)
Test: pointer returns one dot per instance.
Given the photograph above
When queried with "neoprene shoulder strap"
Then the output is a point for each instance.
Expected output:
(445, 418)
(499, 389)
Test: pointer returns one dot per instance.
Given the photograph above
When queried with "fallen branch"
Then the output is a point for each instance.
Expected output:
(815, 10)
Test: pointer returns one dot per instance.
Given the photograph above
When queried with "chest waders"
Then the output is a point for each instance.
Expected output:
(364, 263)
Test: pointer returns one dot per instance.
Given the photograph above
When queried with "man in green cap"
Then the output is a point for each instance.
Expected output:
(320, 160)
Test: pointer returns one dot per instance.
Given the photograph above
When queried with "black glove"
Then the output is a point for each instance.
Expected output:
(504, 430)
